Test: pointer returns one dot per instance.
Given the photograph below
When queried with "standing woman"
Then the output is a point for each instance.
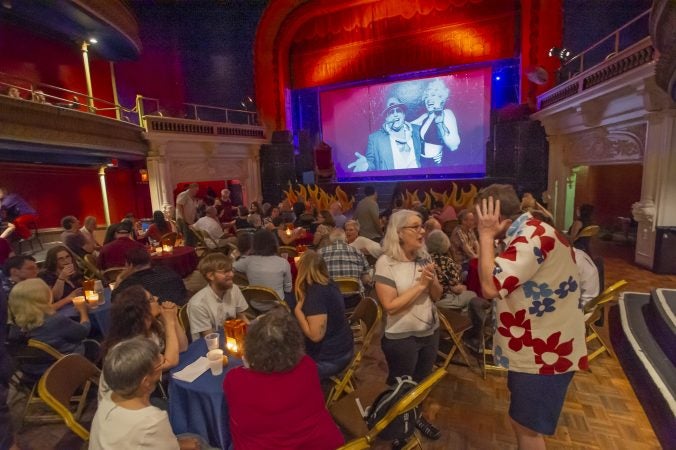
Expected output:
(62, 275)
(407, 286)
(320, 311)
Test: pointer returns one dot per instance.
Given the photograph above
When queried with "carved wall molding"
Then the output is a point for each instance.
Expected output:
(606, 145)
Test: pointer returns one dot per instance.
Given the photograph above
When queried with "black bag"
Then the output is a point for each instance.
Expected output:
(402, 426)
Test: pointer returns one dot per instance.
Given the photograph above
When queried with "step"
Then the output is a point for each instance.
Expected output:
(660, 314)
(649, 370)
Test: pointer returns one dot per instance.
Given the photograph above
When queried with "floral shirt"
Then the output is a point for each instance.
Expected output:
(540, 323)
(448, 271)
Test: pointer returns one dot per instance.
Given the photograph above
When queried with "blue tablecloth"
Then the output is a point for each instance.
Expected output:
(99, 316)
(199, 407)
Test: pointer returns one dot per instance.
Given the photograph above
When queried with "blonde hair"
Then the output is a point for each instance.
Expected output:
(311, 269)
(29, 301)
(391, 241)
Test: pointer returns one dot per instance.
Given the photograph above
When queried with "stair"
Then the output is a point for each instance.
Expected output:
(643, 334)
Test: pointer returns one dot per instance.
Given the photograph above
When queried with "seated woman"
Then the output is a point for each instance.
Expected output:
(62, 275)
(326, 224)
(241, 221)
(276, 401)
(125, 417)
(286, 232)
(583, 218)
(159, 227)
(264, 268)
(320, 310)
(136, 312)
(30, 307)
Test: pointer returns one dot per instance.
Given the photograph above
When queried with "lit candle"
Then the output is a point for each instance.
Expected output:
(158, 250)
(93, 300)
(167, 248)
(89, 294)
(231, 344)
(78, 300)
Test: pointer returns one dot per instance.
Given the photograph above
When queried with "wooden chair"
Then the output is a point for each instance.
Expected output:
(110, 275)
(61, 381)
(184, 321)
(366, 315)
(262, 299)
(289, 250)
(169, 239)
(453, 325)
(240, 279)
(346, 412)
(598, 308)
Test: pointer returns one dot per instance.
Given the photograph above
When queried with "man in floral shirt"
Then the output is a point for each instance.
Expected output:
(540, 336)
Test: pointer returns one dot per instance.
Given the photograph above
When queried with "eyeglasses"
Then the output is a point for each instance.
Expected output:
(395, 110)
(413, 227)
(223, 271)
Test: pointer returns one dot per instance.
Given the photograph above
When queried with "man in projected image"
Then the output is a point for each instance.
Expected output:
(395, 146)
(438, 127)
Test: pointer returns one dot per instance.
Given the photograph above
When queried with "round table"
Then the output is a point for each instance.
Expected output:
(99, 316)
(199, 407)
(182, 260)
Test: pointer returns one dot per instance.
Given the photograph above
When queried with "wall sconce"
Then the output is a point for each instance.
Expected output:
(143, 175)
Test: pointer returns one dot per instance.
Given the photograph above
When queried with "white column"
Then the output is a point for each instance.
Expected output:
(557, 179)
(159, 182)
(104, 194)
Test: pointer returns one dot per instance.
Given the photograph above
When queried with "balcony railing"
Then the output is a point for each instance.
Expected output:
(626, 48)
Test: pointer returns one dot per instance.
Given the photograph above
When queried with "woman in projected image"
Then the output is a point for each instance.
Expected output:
(438, 128)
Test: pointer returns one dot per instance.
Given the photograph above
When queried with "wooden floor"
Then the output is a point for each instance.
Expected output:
(601, 410)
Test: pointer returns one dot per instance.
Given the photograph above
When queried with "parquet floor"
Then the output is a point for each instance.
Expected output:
(601, 410)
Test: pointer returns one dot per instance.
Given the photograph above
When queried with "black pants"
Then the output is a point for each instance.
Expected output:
(414, 356)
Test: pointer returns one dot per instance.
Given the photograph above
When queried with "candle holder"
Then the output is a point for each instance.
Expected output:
(166, 248)
(235, 331)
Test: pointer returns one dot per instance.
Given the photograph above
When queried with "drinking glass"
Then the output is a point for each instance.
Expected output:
(215, 358)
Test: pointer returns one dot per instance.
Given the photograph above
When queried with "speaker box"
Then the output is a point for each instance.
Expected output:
(521, 151)
(277, 170)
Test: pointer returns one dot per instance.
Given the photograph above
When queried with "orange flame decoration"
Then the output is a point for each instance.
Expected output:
(458, 198)
(318, 197)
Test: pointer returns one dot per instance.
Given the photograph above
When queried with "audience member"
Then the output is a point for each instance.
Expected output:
(73, 238)
(13, 92)
(88, 230)
(125, 417)
(583, 218)
(7, 438)
(39, 97)
(540, 327)
(529, 204)
(18, 214)
(255, 221)
(326, 224)
(407, 286)
(287, 233)
(343, 260)
(361, 243)
(16, 269)
(6, 250)
(32, 311)
(160, 281)
(113, 253)
(62, 275)
(244, 246)
(186, 212)
(320, 311)
(242, 219)
(136, 312)
(367, 215)
(210, 224)
(224, 206)
(336, 210)
(159, 227)
(431, 224)
(589, 277)
(464, 242)
(446, 214)
(221, 299)
(278, 379)
(263, 267)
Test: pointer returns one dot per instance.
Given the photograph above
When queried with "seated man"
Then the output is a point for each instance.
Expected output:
(343, 260)
(464, 242)
(125, 418)
(210, 224)
(113, 253)
(18, 213)
(361, 243)
(221, 299)
(73, 238)
(160, 281)
(16, 269)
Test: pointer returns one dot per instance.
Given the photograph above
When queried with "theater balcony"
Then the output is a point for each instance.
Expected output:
(609, 111)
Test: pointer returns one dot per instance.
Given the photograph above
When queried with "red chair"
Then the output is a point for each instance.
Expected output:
(324, 168)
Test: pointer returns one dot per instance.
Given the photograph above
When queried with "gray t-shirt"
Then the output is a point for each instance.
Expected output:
(208, 312)
(272, 271)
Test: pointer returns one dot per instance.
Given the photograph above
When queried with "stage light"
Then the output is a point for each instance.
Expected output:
(93, 40)
(497, 78)
(562, 53)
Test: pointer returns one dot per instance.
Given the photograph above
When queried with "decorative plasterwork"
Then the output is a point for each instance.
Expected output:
(208, 169)
(606, 146)
(644, 211)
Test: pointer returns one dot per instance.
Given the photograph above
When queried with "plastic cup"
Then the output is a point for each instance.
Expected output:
(212, 341)
(215, 358)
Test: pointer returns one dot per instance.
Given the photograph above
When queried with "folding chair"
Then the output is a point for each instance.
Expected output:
(88, 265)
(184, 321)
(349, 287)
(262, 299)
(588, 231)
(59, 384)
(347, 411)
(202, 249)
(598, 308)
(110, 275)
(366, 315)
(240, 279)
(169, 239)
(35, 236)
(453, 326)
(288, 250)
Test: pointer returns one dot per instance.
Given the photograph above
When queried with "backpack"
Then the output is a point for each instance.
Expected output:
(403, 425)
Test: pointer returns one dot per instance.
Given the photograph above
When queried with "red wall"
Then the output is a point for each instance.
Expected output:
(57, 191)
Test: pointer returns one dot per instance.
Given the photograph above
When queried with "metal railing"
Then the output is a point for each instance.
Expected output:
(147, 106)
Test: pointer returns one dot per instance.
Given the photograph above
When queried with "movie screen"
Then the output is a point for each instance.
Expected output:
(432, 127)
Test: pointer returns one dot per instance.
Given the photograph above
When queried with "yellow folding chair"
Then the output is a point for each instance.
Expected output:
(184, 320)
(598, 308)
(262, 299)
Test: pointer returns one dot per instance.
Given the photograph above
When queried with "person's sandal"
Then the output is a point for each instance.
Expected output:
(427, 429)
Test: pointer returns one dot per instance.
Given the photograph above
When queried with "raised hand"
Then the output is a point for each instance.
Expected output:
(488, 219)
(360, 164)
